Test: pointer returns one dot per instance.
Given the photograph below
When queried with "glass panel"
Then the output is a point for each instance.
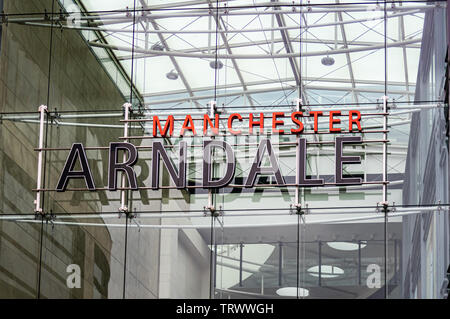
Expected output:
(19, 256)
(250, 57)
(142, 253)
(83, 257)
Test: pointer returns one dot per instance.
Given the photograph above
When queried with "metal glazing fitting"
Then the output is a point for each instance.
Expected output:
(297, 209)
(309, 8)
(55, 117)
(3, 18)
(294, 9)
(393, 105)
(393, 208)
(131, 215)
(382, 207)
(212, 211)
(379, 105)
(62, 16)
(439, 207)
(128, 13)
(50, 218)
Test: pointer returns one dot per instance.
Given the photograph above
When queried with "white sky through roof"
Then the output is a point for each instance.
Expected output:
(260, 48)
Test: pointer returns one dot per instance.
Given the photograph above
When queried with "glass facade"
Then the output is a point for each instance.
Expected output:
(100, 72)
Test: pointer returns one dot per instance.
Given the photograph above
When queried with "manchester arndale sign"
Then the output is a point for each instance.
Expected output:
(177, 173)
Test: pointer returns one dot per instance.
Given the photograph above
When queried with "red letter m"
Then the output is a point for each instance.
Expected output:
(167, 126)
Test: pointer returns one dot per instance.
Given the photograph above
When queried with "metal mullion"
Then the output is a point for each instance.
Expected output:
(235, 65)
(172, 59)
(246, 44)
(112, 56)
(262, 82)
(228, 48)
(347, 54)
(319, 88)
(288, 47)
(405, 60)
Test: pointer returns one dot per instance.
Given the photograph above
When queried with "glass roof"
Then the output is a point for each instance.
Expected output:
(267, 52)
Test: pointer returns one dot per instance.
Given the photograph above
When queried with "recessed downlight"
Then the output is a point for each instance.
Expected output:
(345, 245)
(326, 271)
(292, 292)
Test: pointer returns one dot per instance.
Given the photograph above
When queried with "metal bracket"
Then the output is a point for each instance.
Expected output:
(123, 210)
(212, 107)
(298, 105)
(385, 101)
(129, 106)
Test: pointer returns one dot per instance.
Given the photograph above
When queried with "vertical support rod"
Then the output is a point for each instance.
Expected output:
(262, 284)
(123, 193)
(385, 196)
(359, 262)
(385, 137)
(395, 262)
(280, 264)
(241, 249)
(297, 162)
(215, 263)
(212, 259)
(212, 209)
(43, 111)
(320, 263)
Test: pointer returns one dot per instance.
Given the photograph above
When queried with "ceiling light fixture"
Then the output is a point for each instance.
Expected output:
(327, 60)
(172, 75)
(293, 292)
(346, 246)
(326, 271)
(217, 65)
